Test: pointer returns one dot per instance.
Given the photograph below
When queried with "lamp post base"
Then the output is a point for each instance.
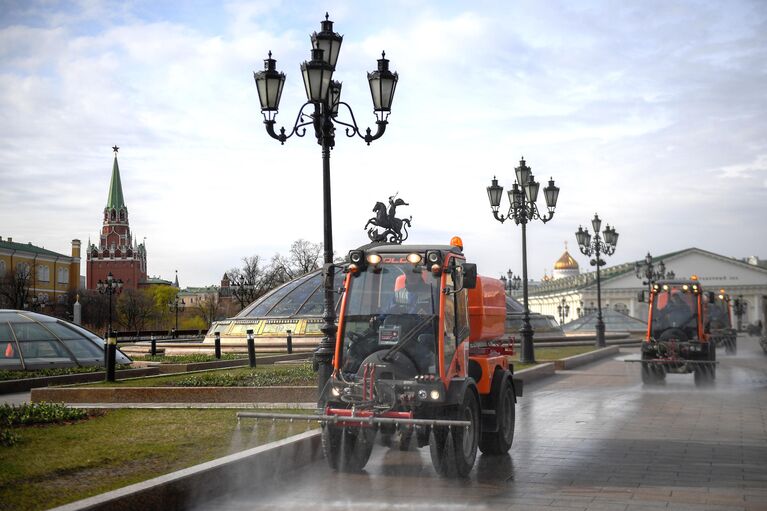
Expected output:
(601, 334)
(323, 363)
(527, 356)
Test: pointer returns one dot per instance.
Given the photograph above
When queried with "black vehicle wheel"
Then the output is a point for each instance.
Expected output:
(454, 450)
(499, 442)
(347, 449)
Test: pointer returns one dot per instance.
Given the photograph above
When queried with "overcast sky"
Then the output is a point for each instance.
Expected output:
(652, 113)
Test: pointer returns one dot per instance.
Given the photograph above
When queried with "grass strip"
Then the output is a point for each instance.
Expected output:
(55, 464)
(38, 373)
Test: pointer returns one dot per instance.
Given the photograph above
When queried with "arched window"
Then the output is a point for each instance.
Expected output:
(63, 275)
(122, 215)
(113, 214)
(43, 273)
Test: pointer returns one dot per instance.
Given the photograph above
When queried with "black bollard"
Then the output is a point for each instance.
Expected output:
(290, 343)
(111, 349)
(251, 349)
(218, 344)
(153, 349)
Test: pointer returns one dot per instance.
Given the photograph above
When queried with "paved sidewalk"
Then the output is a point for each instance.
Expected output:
(591, 439)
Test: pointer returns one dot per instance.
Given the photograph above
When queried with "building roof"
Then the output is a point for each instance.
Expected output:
(588, 280)
(115, 199)
(156, 280)
(28, 247)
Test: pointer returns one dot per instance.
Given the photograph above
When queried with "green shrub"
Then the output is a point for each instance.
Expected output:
(7, 437)
(286, 375)
(38, 413)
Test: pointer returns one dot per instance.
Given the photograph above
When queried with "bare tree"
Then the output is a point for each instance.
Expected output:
(95, 309)
(135, 308)
(14, 286)
(251, 281)
(208, 308)
(303, 257)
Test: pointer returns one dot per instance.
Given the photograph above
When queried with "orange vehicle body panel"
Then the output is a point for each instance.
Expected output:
(489, 365)
(487, 310)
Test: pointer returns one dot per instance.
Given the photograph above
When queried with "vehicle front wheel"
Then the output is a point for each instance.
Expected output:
(454, 449)
(347, 448)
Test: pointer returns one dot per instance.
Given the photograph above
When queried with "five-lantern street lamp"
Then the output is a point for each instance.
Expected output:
(523, 209)
(110, 287)
(564, 310)
(510, 281)
(649, 273)
(323, 104)
(597, 246)
(175, 305)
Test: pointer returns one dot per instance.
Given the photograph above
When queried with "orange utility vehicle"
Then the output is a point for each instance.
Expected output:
(420, 352)
(678, 338)
(720, 319)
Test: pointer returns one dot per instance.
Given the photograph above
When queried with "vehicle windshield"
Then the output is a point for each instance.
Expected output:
(395, 307)
(675, 309)
(718, 316)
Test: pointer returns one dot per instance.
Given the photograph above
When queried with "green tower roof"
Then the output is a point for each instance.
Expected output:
(115, 199)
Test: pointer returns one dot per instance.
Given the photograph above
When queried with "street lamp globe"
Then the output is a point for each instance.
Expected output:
(531, 189)
(522, 172)
(328, 41)
(551, 194)
(494, 194)
(317, 74)
(269, 84)
(382, 85)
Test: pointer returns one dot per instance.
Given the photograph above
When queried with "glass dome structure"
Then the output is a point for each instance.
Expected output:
(29, 341)
(295, 306)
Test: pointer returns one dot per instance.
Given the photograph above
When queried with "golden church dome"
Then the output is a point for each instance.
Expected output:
(566, 262)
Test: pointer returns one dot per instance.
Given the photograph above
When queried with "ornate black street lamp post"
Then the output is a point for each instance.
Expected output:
(175, 306)
(739, 308)
(510, 282)
(110, 287)
(322, 113)
(649, 273)
(564, 310)
(597, 246)
(523, 209)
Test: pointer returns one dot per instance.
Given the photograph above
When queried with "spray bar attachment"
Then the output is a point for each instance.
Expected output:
(358, 419)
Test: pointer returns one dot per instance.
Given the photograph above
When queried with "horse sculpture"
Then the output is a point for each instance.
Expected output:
(391, 225)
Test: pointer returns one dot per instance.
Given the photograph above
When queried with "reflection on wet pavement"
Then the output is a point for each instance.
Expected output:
(591, 439)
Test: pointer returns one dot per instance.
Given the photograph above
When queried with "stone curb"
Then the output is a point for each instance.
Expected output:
(260, 466)
(535, 373)
(585, 358)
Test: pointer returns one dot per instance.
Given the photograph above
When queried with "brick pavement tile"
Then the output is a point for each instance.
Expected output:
(692, 497)
(642, 507)
(525, 507)
(607, 506)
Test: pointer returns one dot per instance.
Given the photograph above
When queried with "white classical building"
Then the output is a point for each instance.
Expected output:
(620, 286)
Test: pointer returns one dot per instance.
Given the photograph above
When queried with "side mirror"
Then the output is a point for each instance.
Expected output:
(469, 275)
(640, 296)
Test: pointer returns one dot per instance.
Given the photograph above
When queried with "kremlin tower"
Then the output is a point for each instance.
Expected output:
(116, 252)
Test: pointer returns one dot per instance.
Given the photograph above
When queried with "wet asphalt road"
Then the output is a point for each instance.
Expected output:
(590, 439)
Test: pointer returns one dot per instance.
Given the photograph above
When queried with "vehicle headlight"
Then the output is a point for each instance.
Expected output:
(335, 391)
(421, 394)
(434, 394)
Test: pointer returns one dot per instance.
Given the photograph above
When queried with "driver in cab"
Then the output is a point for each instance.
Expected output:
(414, 297)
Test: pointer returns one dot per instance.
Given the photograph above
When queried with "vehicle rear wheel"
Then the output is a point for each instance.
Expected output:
(347, 448)
(499, 442)
(454, 450)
